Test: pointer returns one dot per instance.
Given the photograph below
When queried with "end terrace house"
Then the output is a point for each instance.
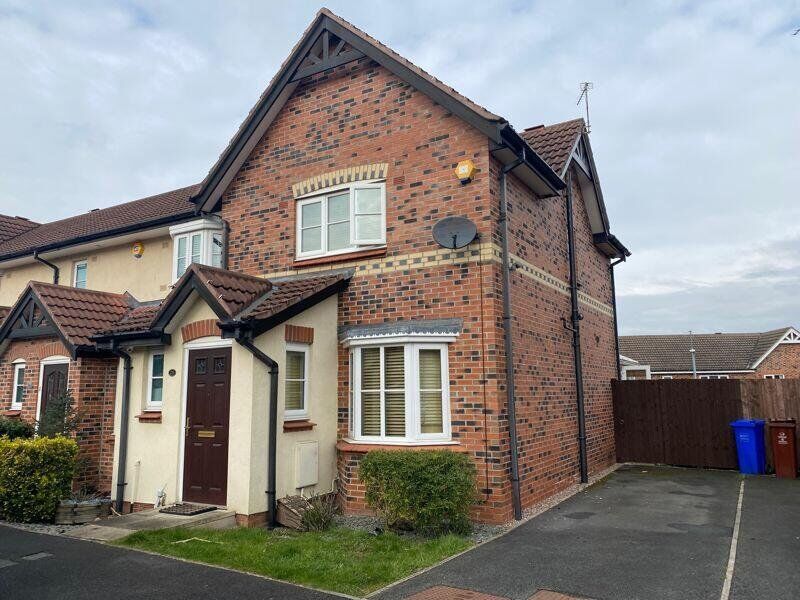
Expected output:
(269, 326)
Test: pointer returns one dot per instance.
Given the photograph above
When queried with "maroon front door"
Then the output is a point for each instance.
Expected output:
(54, 385)
(205, 461)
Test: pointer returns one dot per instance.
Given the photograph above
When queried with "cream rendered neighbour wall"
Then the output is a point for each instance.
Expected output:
(112, 269)
(155, 449)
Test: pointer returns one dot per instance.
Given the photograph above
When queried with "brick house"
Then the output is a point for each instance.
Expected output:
(329, 322)
(761, 355)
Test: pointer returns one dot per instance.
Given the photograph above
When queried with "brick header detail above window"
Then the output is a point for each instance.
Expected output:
(340, 177)
(199, 329)
(299, 335)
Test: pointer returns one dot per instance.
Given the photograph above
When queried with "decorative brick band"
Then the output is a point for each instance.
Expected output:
(199, 329)
(474, 253)
(340, 177)
(299, 335)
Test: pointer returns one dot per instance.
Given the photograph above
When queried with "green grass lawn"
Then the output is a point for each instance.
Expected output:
(341, 560)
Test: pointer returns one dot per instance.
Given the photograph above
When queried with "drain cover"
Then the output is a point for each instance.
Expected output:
(187, 510)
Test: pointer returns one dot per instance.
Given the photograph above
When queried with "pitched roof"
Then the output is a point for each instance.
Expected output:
(115, 220)
(715, 352)
(554, 143)
(234, 291)
(273, 97)
(13, 226)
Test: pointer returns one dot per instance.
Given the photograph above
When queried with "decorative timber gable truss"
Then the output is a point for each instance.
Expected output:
(788, 336)
(29, 321)
(330, 41)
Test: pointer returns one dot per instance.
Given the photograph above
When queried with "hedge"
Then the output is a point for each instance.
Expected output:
(35, 474)
(15, 428)
(426, 491)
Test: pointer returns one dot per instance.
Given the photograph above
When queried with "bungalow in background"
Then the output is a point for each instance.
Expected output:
(767, 355)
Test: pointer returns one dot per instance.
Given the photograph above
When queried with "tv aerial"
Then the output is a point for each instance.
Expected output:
(454, 232)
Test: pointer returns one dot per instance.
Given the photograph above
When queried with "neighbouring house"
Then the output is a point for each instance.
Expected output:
(761, 355)
(271, 325)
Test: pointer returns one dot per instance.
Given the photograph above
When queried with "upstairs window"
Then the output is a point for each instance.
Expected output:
(18, 389)
(342, 220)
(198, 241)
(79, 274)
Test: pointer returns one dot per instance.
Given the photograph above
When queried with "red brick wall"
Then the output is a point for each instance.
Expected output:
(363, 114)
(92, 382)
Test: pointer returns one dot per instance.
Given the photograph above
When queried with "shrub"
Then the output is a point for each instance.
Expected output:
(60, 417)
(319, 516)
(35, 475)
(15, 428)
(427, 491)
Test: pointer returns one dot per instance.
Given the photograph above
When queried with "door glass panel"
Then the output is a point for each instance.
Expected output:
(200, 366)
(219, 364)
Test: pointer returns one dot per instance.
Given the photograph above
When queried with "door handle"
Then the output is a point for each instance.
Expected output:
(186, 429)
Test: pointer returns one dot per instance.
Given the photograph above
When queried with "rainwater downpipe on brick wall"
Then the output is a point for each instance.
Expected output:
(509, 342)
(123, 427)
(56, 270)
(575, 327)
(614, 307)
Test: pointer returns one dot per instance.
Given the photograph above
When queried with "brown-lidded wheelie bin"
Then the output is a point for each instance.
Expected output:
(784, 451)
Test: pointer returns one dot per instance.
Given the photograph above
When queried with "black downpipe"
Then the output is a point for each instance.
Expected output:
(614, 306)
(56, 270)
(576, 334)
(123, 426)
(509, 344)
(272, 501)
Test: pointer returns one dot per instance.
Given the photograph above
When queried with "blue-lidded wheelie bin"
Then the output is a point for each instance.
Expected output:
(749, 434)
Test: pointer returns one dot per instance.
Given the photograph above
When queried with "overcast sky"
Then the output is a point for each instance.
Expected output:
(695, 118)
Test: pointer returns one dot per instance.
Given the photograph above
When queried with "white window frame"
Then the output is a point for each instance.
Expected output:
(774, 376)
(207, 229)
(299, 414)
(714, 377)
(414, 434)
(18, 365)
(85, 265)
(665, 377)
(151, 405)
(322, 197)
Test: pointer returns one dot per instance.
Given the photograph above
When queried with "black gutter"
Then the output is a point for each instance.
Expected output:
(56, 270)
(575, 319)
(123, 426)
(614, 307)
(514, 141)
(509, 342)
(272, 460)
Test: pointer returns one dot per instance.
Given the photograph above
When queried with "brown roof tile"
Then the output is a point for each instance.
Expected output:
(290, 291)
(554, 143)
(137, 319)
(714, 352)
(13, 226)
(137, 214)
(80, 314)
(234, 291)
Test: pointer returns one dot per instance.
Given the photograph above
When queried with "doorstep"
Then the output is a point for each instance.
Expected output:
(115, 528)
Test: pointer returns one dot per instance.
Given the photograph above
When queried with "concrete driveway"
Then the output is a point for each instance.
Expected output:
(644, 533)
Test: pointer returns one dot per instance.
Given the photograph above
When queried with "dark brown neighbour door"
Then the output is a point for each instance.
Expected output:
(205, 461)
(54, 384)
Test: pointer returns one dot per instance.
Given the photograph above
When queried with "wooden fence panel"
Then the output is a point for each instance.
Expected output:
(677, 422)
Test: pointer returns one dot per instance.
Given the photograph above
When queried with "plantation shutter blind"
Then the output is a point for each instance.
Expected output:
(371, 391)
(430, 391)
(295, 380)
(395, 399)
(368, 216)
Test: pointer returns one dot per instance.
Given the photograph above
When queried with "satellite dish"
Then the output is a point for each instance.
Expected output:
(454, 232)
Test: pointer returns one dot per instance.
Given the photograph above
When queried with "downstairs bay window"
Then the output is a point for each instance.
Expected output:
(399, 393)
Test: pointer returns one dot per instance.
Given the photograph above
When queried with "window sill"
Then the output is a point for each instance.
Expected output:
(298, 425)
(334, 258)
(364, 447)
(151, 416)
(13, 412)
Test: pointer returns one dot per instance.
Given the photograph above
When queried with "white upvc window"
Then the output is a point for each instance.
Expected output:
(714, 377)
(666, 376)
(774, 376)
(296, 382)
(199, 241)
(18, 389)
(79, 273)
(155, 381)
(400, 393)
(342, 219)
